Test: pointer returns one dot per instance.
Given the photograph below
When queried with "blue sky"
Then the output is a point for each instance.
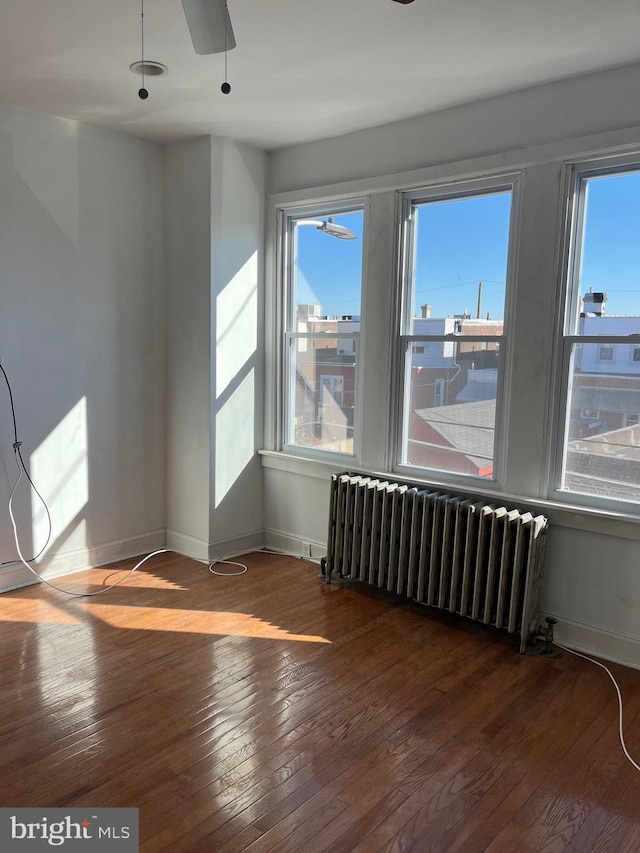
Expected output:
(329, 269)
(611, 258)
(463, 242)
(460, 244)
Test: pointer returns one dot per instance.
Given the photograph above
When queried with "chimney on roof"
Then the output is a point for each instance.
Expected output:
(309, 310)
(426, 311)
(593, 303)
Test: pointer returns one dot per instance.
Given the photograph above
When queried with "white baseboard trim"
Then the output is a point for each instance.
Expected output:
(601, 643)
(286, 543)
(221, 549)
(16, 575)
(188, 546)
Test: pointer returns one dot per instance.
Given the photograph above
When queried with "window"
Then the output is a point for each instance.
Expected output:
(598, 457)
(322, 265)
(332, 388)
(605, 352)
(456, 258)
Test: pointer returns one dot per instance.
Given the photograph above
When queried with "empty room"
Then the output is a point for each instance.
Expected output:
(319, 466)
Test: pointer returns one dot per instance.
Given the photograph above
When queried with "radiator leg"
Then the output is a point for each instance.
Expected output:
(548, 635)
(323, 570)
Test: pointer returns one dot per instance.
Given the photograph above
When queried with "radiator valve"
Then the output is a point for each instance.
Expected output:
(545, 636)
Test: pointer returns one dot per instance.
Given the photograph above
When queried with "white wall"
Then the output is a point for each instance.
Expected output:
(139, 405)
(81, 338)
(570, 108)
(187, 167)
(239, 177)
(593, 570)
(215, 203)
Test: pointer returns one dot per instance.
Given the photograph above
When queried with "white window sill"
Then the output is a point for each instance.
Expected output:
(563, 514)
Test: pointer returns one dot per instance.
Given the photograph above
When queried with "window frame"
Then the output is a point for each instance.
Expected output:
(285, 271)
(569, 342)
(452, 190)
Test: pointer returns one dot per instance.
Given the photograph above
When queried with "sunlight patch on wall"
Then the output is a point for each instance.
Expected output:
(59, 468)
(235, 444)
(193, 622)
(236, 323)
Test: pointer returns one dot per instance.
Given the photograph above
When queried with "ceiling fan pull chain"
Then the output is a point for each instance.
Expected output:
(226, 86)
(142, 92)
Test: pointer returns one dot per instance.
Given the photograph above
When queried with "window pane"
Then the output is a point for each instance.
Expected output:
(324, 298)
(322, 393)
(450, 408)
(460, 264)
(602, 448)
(327, 271)
(608, 274)
(458, 284)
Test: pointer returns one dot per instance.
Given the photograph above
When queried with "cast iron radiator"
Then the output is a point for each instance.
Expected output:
(459, 554)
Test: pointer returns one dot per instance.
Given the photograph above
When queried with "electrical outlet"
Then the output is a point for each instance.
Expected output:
(306, 550)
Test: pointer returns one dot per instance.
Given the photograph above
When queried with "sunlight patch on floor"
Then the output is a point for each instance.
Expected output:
(33, 610)
(192, 621)
(140, 580)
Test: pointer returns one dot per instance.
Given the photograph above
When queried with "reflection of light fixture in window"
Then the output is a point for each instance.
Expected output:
(329, 227)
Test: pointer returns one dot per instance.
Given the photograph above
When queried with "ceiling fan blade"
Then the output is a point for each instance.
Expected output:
(404, 1)
(207, 20)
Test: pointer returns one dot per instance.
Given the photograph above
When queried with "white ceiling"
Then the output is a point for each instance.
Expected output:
(303, 69)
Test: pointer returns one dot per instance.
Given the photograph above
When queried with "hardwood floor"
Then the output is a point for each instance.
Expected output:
(268, 712)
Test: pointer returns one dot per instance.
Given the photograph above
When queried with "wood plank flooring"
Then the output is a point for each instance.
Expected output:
(269, 712)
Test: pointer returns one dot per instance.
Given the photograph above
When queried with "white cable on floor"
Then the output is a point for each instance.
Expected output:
(615, 684)
(232, 563)
(227, 563)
